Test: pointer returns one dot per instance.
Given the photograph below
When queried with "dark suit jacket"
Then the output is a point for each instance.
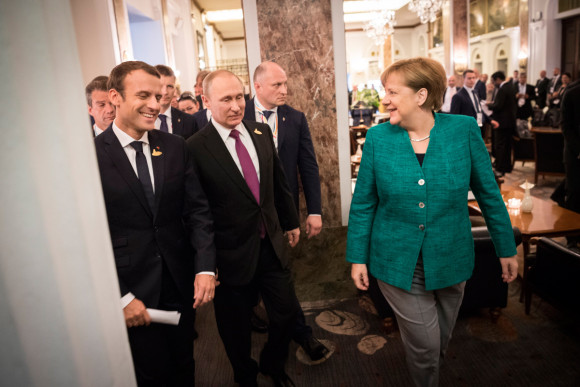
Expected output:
(555, 82)
(296, 152)
(571, 122)
(142, 238)
(461, 104)
(480, 90)
(183, 124)
(542, 92)
(504, 106)
(525, 111)
(200, 118)
(236, 213)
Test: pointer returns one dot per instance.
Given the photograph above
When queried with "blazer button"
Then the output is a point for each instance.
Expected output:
(421, 227)
(421, 182)
(421, 205)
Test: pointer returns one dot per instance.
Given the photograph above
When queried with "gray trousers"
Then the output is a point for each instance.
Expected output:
(426, 320)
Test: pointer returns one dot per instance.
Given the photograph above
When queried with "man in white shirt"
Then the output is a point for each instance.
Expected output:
(100, 108)
(449, 93)
(170, 119)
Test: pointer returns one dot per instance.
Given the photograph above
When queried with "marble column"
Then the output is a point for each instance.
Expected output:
(524, 28)
(297, 34)
(460, 33)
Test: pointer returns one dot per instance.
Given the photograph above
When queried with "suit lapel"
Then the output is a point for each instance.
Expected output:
(261, 153)
(176, 122)
(119, 158)
(158, 160)
(282, 128)
(216, 147)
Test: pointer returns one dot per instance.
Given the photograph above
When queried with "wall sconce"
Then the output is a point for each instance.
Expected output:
(523, 61)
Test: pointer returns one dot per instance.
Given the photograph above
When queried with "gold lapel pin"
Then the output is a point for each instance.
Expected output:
(257, 131)
(283, 118)
(179, 120)
(156, 153)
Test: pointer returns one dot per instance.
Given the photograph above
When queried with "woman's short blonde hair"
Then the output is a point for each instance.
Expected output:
(421, 73)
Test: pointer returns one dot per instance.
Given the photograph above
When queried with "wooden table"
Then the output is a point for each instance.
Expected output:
(546, 219)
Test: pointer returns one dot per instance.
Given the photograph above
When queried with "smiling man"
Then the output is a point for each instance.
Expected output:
(100, 108)
(157, 212)
(252, 206)
(172, 120)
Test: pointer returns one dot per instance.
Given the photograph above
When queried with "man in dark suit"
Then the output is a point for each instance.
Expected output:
(100, 108)
(202, 117)
(467, 102)
(525, 94)
(170, 119)
(504, 112)
(479, 86)
(296, 151)
(542, 85)
(555, 82)
(252, 206)
(571, 131)
(151, 195)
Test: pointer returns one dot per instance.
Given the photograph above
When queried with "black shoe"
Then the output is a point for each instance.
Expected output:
(282, 380)
(314, 348)
(258, 325)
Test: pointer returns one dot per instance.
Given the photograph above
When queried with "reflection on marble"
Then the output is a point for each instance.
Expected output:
(297, 34)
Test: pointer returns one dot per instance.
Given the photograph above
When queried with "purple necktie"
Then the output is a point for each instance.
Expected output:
(249, 171)
(163, 127)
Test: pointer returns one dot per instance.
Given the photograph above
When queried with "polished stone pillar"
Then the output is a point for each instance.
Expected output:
(297, 34)
(524, 28)
(460, 33)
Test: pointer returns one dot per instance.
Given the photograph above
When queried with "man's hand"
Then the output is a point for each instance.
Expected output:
(509, 268)
(313, 225)
(136, 314)
(293, 236)
(494, 124)
(360, 276)
(204, 289)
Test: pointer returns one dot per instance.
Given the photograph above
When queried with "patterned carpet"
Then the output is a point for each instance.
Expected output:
(541, 349)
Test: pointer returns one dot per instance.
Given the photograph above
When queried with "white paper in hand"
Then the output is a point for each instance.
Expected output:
(164, 316)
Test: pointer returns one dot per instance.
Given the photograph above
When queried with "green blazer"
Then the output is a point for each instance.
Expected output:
(400, 208)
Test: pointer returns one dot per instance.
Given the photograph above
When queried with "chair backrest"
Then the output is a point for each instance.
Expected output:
(549, 152)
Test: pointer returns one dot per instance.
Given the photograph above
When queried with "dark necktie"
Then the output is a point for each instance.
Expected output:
(475, 101)
(248, 170)
(143, 173)
(163, 127)
(267, 113)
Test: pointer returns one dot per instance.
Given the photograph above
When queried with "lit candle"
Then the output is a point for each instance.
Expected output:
(514, 203)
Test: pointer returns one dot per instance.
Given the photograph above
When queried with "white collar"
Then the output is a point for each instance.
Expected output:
(225, 132)
(125, 139)
(261, 107)
(167, 112)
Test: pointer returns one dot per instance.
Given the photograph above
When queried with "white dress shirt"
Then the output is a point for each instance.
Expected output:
(272, 120)
(97, 130)
(230, 143)
(446, 108)
(168, 120)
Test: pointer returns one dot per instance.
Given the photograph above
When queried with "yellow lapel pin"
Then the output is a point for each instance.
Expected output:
(156, 152)
(257, 131)
(283, 118)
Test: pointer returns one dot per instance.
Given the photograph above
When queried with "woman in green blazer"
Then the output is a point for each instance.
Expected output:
(409, 222)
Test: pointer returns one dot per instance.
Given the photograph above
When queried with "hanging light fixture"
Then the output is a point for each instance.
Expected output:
(381, 26)
(426, 9)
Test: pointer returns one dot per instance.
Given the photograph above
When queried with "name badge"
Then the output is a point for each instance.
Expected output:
(479, 119)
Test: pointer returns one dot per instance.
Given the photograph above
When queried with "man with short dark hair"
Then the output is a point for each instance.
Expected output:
(479, 86)
(160, 224)
(203, 115)
(170, 119)
(100, 108)
(504, 112)
(467, 102)
(252, 206)
(296, 151)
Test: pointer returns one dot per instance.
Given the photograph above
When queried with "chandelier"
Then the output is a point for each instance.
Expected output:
(381, 26)
(426, 9)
